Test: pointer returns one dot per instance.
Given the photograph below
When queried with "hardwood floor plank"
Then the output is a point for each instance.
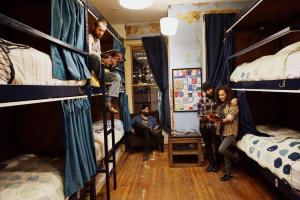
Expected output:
(155, 180)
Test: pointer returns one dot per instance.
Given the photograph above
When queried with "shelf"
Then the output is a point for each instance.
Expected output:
(13, 95)
(144, 85)
(275, 36)
(36, 33)
(288, 85)
(97, 91)
(266, 90)
(185, 152)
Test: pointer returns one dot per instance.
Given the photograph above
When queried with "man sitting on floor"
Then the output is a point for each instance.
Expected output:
(146, 125)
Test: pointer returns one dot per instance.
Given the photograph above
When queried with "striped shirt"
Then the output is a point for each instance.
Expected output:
(206, 105)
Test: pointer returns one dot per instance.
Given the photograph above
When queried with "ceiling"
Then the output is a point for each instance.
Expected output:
(115, 14)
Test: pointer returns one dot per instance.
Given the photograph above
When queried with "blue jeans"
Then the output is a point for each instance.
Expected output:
(224, 150)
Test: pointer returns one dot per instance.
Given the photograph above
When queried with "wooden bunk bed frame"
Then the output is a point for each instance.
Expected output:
(13, 95)
(262, 28)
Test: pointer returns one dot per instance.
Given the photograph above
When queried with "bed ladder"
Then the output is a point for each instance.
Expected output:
(110, 156)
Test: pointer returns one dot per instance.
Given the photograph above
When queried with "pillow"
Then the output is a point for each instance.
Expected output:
(292, 64)
(7, 73)
(290, 48)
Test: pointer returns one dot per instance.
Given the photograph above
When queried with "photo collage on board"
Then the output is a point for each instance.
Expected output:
(187, 89)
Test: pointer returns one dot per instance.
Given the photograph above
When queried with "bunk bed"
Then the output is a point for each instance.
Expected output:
(265, 71)
(35, 177)
(20, 61)
(108, 136)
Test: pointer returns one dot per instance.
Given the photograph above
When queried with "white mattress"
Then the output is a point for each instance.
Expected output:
(31, 67)
(98, 131)
(273, 67)
(29, 177)
(279, 153)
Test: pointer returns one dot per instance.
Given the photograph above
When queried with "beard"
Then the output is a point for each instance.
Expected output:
(210, 96)
(146, 114)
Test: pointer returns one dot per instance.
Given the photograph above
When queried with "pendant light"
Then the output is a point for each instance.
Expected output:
(168, 25)
(136, 4)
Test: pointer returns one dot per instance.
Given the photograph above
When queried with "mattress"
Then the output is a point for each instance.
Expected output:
(98, 131)
(279, 153)
(29, 177)
(24, 65)
(282, 65)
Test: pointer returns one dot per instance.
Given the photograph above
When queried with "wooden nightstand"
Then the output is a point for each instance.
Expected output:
(185, 151)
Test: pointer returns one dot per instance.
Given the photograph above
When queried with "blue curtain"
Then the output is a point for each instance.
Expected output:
(79, 145)
(125, 113)
(68, 25)
(218, 48)
(246, 122)
(156, 52)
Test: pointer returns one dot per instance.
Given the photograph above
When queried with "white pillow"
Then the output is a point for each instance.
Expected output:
(290, 48)
(293, 65)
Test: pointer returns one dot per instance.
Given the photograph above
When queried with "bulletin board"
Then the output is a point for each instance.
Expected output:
(186, 89)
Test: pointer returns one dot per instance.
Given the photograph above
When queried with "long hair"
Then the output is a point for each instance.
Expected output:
(228, 92)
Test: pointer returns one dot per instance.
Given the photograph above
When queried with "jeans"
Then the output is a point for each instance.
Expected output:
(212, 143)
(224, 150)
(147, 133)
(115, 79)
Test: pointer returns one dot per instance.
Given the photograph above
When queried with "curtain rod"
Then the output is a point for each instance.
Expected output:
(266, 90)
(244, 15)
(18, 103)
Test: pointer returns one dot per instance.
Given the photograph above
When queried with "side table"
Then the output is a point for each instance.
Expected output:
(185, 150)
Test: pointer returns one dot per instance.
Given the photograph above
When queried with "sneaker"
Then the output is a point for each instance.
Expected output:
(111, 109)
(209, 168)
(226, 177)
(216, 168)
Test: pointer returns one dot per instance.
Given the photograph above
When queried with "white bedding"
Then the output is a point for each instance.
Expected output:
(98, 131)
(31, 67)
(29, 177)
(285, 64)
(279, 153)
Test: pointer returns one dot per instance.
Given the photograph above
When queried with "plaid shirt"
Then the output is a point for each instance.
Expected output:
(206, 105)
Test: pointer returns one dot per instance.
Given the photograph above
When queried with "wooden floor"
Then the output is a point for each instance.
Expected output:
(155, 180)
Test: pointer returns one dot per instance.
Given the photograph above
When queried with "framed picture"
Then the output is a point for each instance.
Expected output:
(186, 89)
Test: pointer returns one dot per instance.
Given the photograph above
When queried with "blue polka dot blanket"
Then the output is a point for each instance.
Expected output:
(279, 153)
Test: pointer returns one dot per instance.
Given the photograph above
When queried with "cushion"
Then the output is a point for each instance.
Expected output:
(6, 66)
(290, 48)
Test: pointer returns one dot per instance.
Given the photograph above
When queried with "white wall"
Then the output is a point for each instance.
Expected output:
(186, 47)
(120, 28)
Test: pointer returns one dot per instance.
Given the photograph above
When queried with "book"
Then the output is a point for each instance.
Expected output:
(214, 117)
